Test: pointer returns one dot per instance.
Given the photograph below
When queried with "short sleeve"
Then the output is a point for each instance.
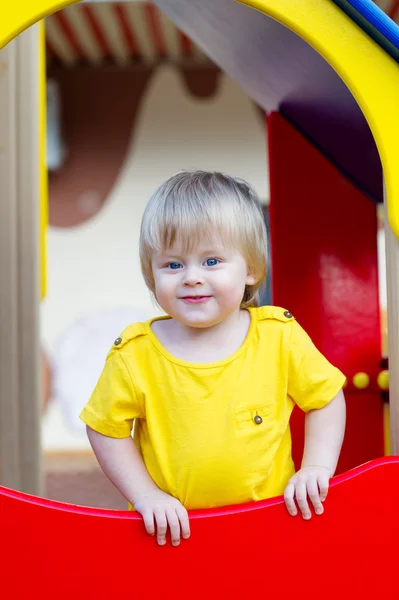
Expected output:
(312, 380)
(113, 405)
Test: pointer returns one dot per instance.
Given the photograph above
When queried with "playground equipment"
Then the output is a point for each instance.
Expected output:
(60, 551)
(330, 70)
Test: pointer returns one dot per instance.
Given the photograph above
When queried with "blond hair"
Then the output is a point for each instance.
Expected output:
(190, 206)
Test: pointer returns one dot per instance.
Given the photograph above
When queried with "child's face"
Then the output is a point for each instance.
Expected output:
(203, 287)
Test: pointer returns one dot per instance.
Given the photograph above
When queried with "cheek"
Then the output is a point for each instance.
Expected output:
(164, 285)
(231, 282)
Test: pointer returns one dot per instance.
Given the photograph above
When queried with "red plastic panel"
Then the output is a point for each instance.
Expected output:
(324, 270)
(50, 550)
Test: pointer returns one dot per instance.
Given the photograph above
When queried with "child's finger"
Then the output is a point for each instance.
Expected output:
(148, 518)
(184, 521)
(174, 526)
(313, 493)
(301, 498)
(162, 526)
(289, 499)
(324, 483)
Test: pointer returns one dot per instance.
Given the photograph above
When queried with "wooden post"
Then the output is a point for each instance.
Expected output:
(19, 263)
(392, 266)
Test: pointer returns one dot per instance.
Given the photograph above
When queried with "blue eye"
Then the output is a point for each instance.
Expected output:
(174, 265)
(211, 262)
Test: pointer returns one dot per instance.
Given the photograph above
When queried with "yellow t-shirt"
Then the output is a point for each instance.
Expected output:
(214, 434)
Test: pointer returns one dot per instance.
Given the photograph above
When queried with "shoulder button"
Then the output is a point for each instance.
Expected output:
(287, 314)
(118, 341)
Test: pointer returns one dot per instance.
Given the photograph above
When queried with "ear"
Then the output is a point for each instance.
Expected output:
(251, 279)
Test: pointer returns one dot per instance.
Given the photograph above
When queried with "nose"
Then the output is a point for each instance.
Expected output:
(193, 277)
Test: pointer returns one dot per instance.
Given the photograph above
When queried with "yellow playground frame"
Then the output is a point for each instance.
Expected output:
(370, 74)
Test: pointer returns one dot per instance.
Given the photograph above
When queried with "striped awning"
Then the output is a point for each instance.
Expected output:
(99, 32)
(120, 33)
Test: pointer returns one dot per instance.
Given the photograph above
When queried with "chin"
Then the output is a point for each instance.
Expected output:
(200, 325)
(199, 322)
(194, 322)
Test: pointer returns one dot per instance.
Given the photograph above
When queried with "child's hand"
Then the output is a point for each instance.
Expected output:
(308, 481)
(167, 510)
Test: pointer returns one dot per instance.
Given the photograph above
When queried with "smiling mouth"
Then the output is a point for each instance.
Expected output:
(195, 299)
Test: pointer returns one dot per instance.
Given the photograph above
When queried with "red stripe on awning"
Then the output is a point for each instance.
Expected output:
(185, 45)
(126, 29)
(155, 28)
(51, 51)
(96, 29)
(69, 33)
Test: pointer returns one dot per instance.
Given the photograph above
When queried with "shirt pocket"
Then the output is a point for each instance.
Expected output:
(256, 419)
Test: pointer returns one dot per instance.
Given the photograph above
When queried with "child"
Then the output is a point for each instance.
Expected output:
(211, 386)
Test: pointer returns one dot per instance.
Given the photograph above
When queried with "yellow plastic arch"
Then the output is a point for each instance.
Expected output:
(370, 74)
(17, 16)
(43, 183)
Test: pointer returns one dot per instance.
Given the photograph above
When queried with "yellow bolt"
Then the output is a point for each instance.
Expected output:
(361, 380)
(383, 380)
